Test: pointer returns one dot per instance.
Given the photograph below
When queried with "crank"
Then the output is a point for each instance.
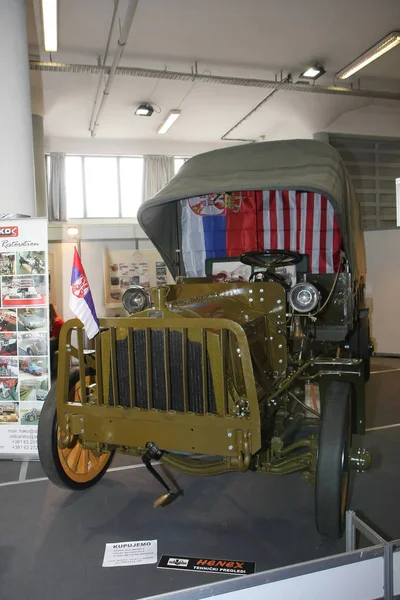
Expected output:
(154, 453)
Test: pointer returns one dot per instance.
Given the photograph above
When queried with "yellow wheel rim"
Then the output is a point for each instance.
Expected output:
(80, 464)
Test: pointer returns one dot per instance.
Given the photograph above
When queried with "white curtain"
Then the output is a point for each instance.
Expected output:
(158, 170)
(57, 194)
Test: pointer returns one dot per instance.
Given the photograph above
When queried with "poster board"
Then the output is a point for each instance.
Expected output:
(24, 333)
(124, 268)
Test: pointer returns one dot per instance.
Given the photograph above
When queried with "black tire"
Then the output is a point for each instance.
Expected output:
(48, 447)
(30, 351)
(364, 343)
(360, 342)
(332, 477)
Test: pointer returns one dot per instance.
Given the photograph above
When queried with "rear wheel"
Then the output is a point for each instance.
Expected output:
(332, 477)
(364, 337)
(360, 342)
(73, 467)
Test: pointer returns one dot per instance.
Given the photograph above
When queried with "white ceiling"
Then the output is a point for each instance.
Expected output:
(252, 38)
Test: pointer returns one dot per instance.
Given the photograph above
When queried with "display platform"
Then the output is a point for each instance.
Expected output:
(53, 539)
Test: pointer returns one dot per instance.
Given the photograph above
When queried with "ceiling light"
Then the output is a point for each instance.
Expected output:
(49, 11)
(170, 120)
(144, 110)
(313, 72)
(386, 44)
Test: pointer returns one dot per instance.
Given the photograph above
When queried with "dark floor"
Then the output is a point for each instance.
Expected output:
(52, 541)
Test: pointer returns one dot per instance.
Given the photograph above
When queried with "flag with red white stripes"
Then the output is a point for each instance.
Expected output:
(221, 225)
(303, 222)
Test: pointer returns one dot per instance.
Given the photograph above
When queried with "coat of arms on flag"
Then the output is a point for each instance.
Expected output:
(80, 288)
(216, 204)
(80, 299)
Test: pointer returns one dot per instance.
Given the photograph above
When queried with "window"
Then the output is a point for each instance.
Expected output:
(74, 186)
(178, 163)
(101, 187)
(104, 186)
(131, 184)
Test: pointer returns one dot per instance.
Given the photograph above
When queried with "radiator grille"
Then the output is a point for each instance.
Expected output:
(167, 371)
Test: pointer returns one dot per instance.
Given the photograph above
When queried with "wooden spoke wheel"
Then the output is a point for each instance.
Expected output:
(73, 467)
(332, 477)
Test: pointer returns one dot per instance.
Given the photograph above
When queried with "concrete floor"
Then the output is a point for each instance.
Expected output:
(52, 541)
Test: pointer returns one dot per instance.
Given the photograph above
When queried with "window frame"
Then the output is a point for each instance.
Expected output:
(120, 218)
(84, 194)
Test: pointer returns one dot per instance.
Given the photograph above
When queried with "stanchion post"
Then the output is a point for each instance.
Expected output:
(350, 532)
(388, 571)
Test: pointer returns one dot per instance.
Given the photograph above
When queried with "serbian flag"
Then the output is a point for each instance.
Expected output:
(227, 225)
(80, 298)
(218, 225)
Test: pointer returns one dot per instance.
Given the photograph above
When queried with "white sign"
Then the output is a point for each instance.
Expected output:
(24, 333)
(125, 554)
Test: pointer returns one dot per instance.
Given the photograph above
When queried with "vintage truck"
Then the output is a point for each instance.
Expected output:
(262, 373)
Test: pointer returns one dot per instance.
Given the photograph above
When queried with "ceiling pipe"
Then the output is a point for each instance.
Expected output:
(218, 79)
(225, 137)
(103, 64)
(251, 112)
(130, 13)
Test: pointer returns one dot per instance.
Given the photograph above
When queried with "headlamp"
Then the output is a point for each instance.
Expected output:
(135, 299)
(304, 297)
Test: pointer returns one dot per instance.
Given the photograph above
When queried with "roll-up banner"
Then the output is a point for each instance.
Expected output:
(24, 333)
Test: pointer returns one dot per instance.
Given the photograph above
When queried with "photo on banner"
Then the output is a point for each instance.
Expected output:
(24, 333)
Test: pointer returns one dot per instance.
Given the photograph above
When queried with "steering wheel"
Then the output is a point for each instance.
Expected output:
(270, 258)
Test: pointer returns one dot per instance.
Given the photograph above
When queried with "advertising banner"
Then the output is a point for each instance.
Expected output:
(24, 333)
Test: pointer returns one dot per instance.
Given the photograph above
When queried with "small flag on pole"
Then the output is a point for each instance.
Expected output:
(80, 298)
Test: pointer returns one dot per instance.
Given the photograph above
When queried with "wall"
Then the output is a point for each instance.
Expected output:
(96, 239)
(383, 287)
(371, 120)
(130, 147)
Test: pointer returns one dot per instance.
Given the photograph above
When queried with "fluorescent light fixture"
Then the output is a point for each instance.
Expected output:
(313, 72)
(387, 43)
(50, 29)
(72, 231)
(170, 120)
(144, 110)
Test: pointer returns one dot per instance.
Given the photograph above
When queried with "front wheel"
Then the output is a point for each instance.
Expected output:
(332, 477)
(74, 467)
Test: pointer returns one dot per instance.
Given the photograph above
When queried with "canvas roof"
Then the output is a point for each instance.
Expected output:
(304, 165)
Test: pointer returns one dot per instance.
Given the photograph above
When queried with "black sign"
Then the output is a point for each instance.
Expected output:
(210, 565)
